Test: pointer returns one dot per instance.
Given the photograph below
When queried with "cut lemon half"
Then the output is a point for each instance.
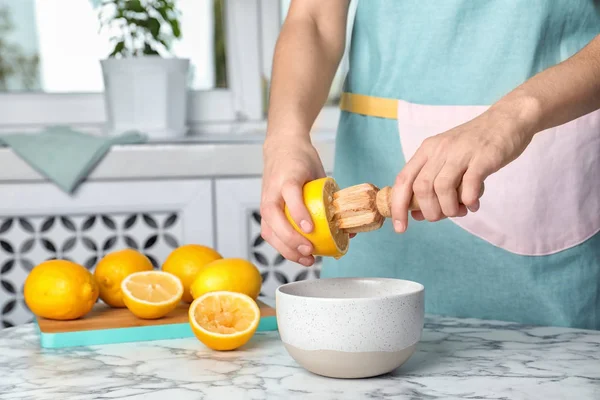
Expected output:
(224, 320)
(151, 294)
(326, 238)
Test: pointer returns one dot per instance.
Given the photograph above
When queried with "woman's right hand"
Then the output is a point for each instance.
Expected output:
(289, 162)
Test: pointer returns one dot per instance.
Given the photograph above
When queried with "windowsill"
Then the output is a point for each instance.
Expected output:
(223, 149)
(326, 123)
(196, 156)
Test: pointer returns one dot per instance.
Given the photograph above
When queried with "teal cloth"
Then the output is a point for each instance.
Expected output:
(461, 52)
(63, 155)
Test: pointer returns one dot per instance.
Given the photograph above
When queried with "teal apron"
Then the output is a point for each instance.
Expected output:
(532, 252)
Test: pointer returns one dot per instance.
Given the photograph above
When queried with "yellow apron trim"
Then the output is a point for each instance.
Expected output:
(369, 105)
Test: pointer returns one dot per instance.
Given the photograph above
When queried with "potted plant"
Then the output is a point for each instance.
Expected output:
(145, 85)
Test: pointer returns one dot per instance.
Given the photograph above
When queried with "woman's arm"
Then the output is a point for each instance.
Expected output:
(559, 94)
(471, 152)
(308, 51)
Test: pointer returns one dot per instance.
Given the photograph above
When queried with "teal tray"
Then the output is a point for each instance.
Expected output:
(90, 337)
(134, 334)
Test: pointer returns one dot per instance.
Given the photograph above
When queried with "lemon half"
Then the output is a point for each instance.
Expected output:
(151, 294)
(326, 238)
(224, 320)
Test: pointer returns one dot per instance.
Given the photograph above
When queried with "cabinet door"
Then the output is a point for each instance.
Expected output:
(238, 234)
(40, 222)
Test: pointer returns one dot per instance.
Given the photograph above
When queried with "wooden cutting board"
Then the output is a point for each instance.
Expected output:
(105, 325)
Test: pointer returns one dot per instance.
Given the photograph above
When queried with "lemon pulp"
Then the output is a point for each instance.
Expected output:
(151, 294)
(224, 320)
(224, 315)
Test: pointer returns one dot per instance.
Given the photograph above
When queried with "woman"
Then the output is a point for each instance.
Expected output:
(444, 93)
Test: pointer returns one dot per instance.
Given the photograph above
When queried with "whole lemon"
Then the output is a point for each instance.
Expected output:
(186, 261)
(228, 274)
(60, 289)
(113, 268)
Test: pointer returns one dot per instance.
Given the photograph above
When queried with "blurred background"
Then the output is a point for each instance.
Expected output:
(72, 187)
(53, 46)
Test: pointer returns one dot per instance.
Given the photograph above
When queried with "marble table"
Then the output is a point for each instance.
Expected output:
(456, 359)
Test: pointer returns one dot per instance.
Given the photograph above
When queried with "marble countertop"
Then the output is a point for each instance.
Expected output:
(456, 359)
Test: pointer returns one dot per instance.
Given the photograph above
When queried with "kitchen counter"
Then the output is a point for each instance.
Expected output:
(456, 359)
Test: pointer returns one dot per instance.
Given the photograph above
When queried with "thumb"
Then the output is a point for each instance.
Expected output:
(291, 192)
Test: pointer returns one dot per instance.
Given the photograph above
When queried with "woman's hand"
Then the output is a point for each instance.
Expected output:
(289, 162)
(465, 155)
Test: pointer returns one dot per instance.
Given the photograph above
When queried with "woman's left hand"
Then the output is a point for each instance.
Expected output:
(465, 155)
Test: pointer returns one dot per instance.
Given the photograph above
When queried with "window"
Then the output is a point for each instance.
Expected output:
(50, 72)
(47, 56)
(58, 78)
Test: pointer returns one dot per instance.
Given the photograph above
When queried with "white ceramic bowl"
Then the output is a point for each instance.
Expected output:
(350, 327)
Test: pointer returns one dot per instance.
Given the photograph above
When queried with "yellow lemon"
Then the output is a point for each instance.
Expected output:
(326, 238)
(186, 261)
(60, 289)
(115, 267)
(151, 294)
(229, 274)
(224, 320)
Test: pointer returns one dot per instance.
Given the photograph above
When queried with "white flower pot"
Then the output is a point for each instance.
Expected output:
(148, 94)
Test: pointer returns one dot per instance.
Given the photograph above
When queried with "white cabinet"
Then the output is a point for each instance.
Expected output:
(38, 222)
(238, 234)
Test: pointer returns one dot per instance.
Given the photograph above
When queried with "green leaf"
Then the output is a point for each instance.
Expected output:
(118, 49)
(164, 12)
(135, 6)
(168, 4)
(175, 27)
(154, 26)
(149, 51)
(137, 22)
(163, 42)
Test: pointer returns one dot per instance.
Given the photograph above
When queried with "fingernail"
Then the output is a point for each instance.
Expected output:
(306, 226)
(398, 226)
(305, 261)
(304, 250)
(474, 207)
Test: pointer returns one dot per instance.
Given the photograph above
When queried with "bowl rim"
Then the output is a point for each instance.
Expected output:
(420, 289)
